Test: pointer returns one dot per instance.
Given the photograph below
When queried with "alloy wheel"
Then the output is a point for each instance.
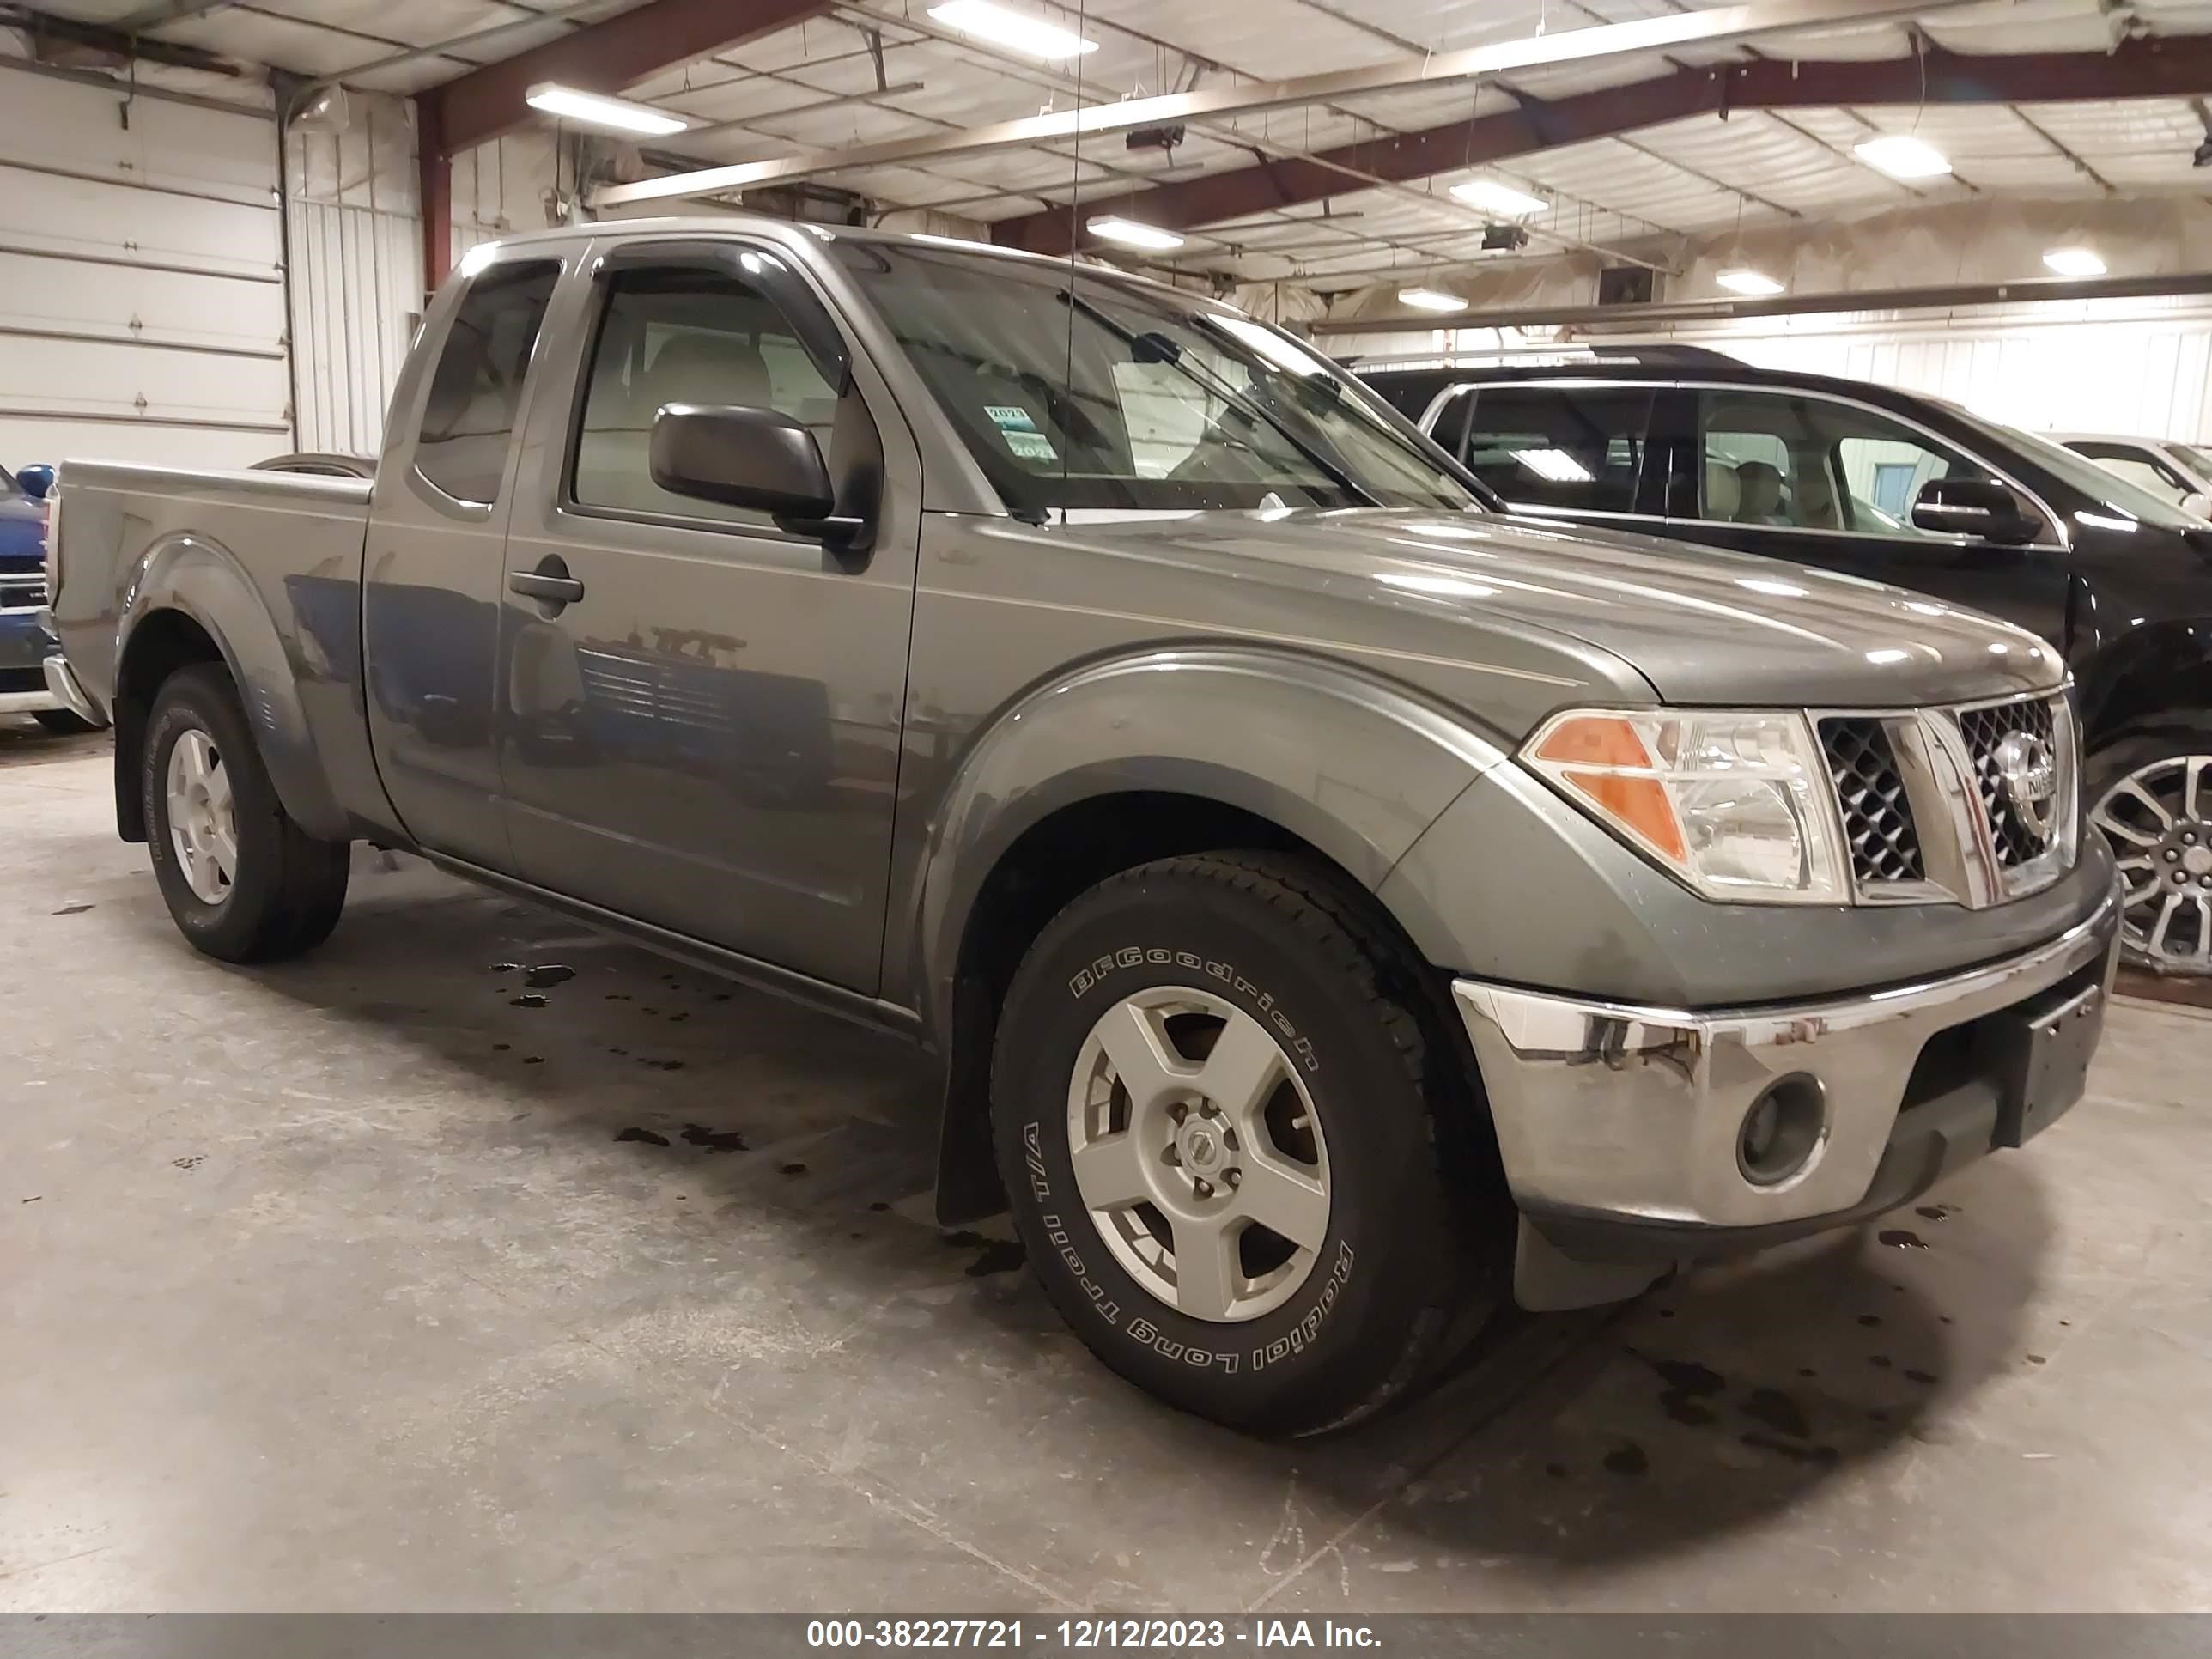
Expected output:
(1199, 1153)
(202, 820)
(2159, 820)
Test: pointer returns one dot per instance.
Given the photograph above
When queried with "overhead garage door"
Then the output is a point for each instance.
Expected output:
(141, 285)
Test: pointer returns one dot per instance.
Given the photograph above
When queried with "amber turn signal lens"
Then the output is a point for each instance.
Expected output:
(1641, 803)
(1613, 751)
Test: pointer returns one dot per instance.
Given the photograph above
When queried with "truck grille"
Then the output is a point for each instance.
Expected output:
(1985, 730)
(1928, 811)
(1877, 816)
(21, 592)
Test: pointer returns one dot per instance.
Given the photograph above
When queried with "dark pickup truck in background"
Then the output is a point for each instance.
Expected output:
(1337, 906)
(1890, 485)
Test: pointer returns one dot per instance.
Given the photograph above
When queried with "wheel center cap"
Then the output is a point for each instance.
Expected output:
(1200, 1145)
(2197, 860)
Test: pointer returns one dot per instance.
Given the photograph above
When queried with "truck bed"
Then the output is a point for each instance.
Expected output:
(289, 542)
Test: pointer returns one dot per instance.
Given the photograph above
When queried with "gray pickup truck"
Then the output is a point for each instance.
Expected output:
(1337, 906)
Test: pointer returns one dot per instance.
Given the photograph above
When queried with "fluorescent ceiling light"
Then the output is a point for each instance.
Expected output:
(1130, 234)
(1016, 30)
(2075, 262)
(1502, 199)
(1553, 465)
(1747, 281)
(615, 114)
(1430, 299)
(1901, 156)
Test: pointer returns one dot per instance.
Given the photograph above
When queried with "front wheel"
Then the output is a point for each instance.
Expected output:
(242, 880)
(2151, 791)
(1235, 1134)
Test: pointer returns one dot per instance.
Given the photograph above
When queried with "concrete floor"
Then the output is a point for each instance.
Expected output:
(349, 1284)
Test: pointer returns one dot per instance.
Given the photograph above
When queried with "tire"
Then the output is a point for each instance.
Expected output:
(283, 895)
(62, 723)
(1417, 1240)
(2160, 756)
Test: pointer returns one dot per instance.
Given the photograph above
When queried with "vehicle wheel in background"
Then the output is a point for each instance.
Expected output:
(244, 882)
(62, 723)
(1242, 1146)
(2150, 795)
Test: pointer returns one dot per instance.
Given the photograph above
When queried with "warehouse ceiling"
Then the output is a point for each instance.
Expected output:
(2044, 99)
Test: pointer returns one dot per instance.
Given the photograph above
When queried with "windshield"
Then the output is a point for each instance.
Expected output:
(8, 486)
(2194, 458)
(2130, 499)
(1073, 391)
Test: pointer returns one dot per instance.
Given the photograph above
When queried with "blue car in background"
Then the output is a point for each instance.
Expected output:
(25, 644)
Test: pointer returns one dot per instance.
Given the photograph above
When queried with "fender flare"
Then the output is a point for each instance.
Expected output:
(203, 580)
(1356, 765)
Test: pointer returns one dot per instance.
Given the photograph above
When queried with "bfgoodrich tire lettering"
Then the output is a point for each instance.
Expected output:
(1373, 1310)
(284, 890)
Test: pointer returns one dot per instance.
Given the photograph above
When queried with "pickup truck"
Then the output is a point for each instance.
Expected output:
(1337, 907)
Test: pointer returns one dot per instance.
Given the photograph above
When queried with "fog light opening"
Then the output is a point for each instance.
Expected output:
(1782, 1130)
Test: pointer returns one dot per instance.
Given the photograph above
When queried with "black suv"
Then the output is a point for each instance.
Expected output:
(1896, 488)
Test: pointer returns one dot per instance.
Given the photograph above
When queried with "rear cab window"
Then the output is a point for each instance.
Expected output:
(475, 391)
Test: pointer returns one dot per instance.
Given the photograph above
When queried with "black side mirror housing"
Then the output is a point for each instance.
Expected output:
(746, 456)
(1974, 506)
(37, 480)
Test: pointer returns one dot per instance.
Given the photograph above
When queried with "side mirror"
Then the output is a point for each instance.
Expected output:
(37, 479)
(753, 458)
(1973, 507)
(2199, 503)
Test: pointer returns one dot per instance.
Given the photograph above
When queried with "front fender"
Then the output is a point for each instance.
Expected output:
(1355, 765)
(2156, 668)
(193, 574)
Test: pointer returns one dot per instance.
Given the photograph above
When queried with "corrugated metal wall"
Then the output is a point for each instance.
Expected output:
(2129, 366)
(356, 231)
(356, 271)
(141, 291)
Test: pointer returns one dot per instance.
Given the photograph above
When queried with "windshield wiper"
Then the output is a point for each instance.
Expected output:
(1243, 401)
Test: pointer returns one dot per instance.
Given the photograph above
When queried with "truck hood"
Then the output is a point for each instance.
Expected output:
(1701, 625)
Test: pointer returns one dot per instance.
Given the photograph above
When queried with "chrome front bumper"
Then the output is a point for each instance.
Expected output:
(1611, 1112)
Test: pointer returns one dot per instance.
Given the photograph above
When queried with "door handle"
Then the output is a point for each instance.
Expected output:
(549, 584)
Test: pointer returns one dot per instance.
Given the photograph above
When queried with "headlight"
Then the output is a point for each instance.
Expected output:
(1737, 805)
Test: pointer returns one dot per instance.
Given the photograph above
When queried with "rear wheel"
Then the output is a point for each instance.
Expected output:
(62, 723)
(2151, 795)
(1231, 1124)
(243, 881)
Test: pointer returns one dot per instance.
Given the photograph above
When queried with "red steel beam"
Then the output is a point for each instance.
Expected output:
(2167, 66)
(608, 56)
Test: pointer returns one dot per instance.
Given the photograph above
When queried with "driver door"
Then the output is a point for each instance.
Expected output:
(701, 710)
(1822, 481)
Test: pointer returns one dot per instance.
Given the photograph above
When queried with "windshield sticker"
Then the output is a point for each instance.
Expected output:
(1020, 431)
